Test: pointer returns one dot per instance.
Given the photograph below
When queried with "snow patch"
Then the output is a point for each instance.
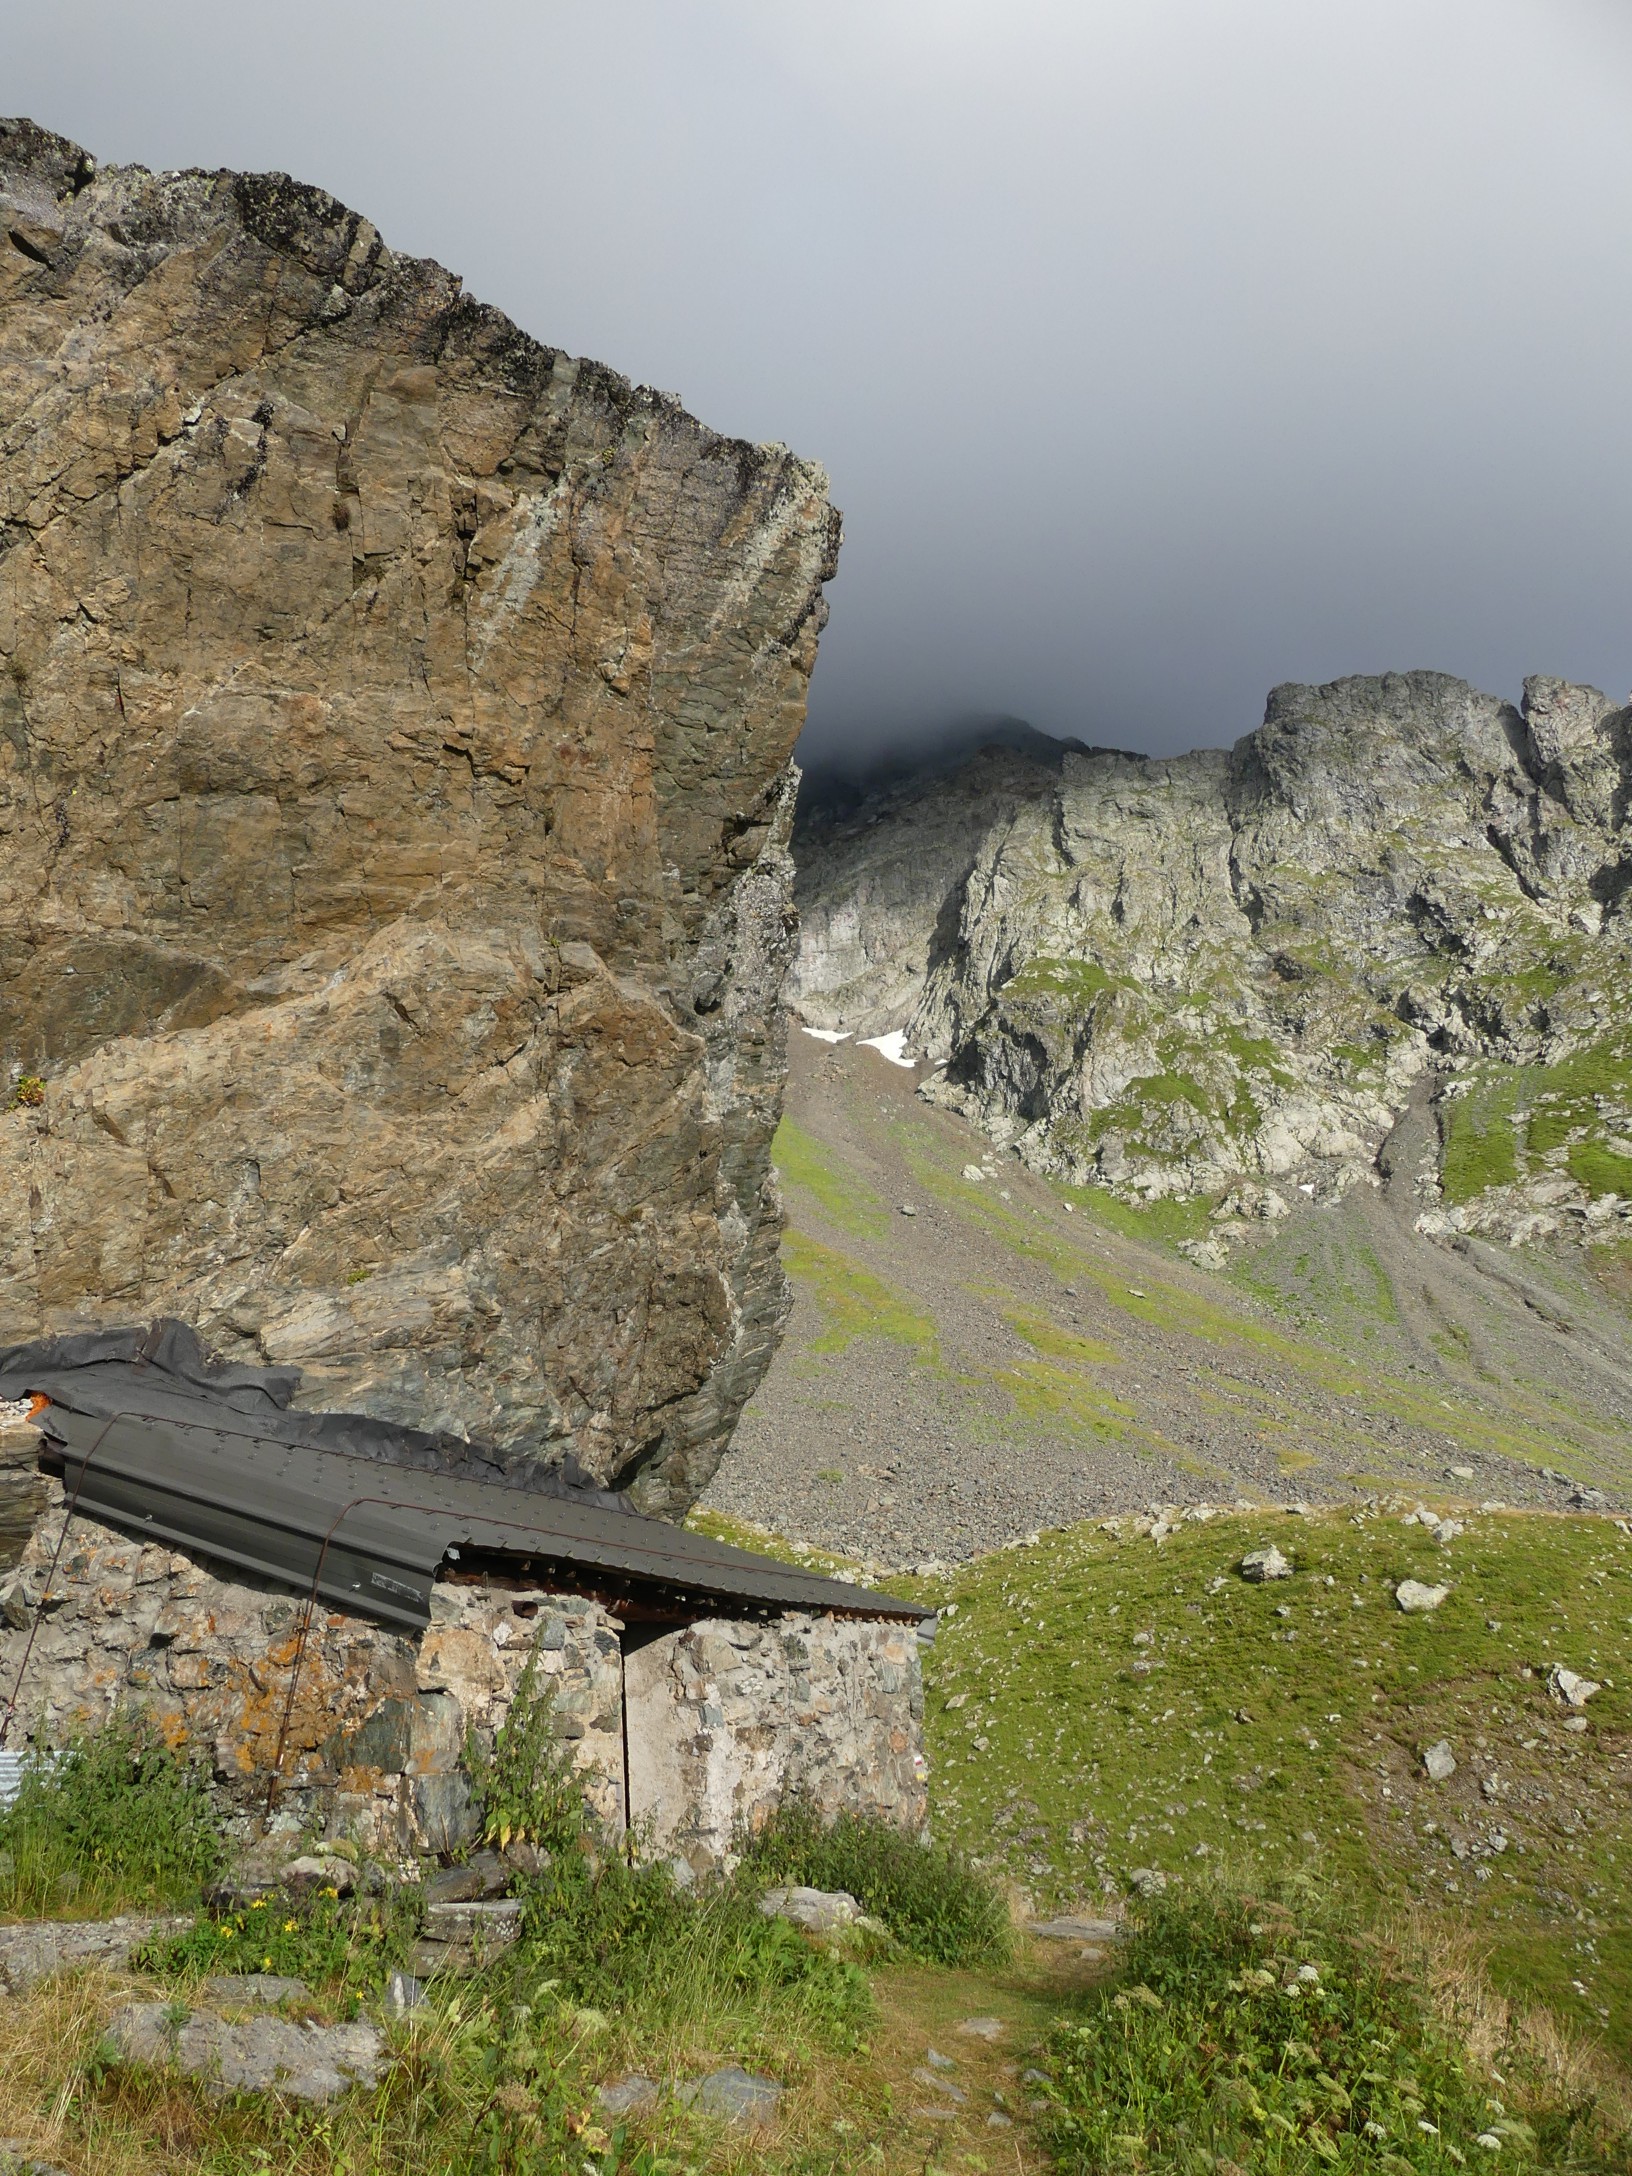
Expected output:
(892, 1046)
(828, 1035)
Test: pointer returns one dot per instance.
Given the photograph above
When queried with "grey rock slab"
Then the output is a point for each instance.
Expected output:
(733, 2095)
(38, 1948)
(1077, 1930)
(17, 2159)
(1416, 1599)
(257, 2055)
(1439, 1762)
(821, 1910)
(937, 2061)
(484, 1875)
(487, 1924)
(628, 2096)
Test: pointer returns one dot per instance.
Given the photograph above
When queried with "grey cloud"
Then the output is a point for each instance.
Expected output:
(1158, 351)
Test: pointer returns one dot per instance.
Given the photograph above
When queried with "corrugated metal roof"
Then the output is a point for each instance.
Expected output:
(372, 1536)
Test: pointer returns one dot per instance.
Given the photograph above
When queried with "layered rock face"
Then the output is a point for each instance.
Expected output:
(879, 885)
(1227, 973)
(395, 722)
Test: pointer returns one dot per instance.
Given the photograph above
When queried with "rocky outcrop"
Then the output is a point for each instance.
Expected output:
(1224, 974)
(395, 722)
(879, 881)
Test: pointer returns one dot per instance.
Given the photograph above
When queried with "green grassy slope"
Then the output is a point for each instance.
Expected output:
(1100, 1704)
(1339, 1350)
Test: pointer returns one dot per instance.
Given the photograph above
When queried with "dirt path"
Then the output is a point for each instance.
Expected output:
(926, 2013)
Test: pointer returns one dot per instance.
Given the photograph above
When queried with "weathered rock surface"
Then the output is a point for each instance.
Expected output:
(1416, 1597)
(1261, 1564)
(632, 2095)
(878, 881)
(36, 1950)
(254, 2055)
(395, 721)
(377, 1729)
(254, 1990)
(821, 1911)
(1224, 975)
(465, 1938)
(733, 2095)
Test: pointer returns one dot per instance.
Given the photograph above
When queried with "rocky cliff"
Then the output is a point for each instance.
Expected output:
(395, 721)
(1228, 974)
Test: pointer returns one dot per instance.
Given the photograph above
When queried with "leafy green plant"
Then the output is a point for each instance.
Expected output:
(525, 1782)
(1262, 2033)
(614, 1932)
(116, 1816)
(321, 1938)
(28, 1092)
(935, 1904)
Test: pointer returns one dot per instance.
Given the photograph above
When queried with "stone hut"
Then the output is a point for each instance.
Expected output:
(318, 1601)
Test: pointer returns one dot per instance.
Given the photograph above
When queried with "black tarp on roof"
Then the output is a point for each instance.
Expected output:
(204, 1458)
(165, 1369)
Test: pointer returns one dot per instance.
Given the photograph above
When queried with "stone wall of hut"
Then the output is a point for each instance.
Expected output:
(723, 1716)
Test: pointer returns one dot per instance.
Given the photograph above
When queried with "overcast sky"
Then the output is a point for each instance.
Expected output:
(1159, 350)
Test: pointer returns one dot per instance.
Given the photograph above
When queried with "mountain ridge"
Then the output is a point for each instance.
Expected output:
(1223, 975)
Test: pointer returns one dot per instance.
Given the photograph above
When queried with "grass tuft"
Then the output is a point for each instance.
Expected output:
(117, 1818)
(934, 1903)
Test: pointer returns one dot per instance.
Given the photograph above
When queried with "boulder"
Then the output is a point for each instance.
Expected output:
(629, 2096)
(460, 1938)
(733, 2095)
(1415, 1598)
(1573, 1690)
(36, 1950)
(263, 1990)
(822, 1911)
(1078, 1930)
(395, 723)
(1262, 1564)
